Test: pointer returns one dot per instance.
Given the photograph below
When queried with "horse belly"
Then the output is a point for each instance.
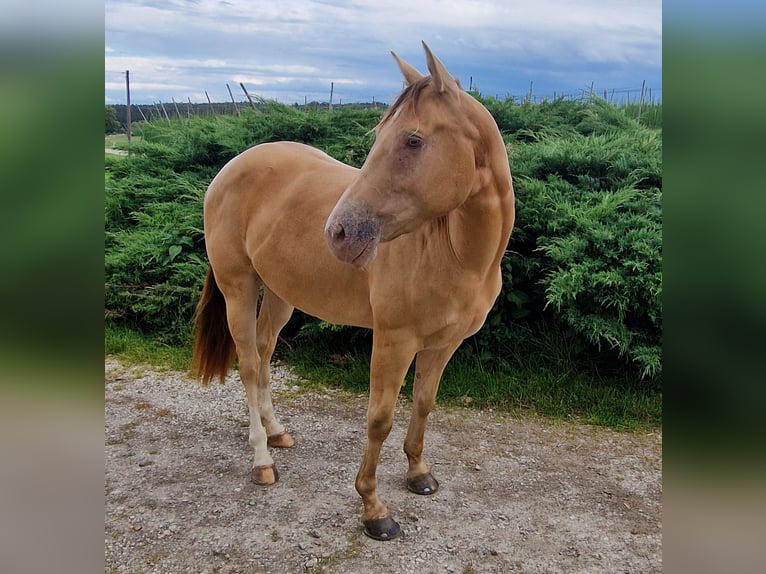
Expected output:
(330, 295)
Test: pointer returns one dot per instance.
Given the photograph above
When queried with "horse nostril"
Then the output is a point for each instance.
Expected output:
(337, 232)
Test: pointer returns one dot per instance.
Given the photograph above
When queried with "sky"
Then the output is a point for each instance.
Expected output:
(291, 51)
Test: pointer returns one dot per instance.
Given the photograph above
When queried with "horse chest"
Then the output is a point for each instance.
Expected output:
(439, 308)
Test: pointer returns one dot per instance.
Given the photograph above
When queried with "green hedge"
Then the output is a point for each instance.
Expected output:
(585, 255)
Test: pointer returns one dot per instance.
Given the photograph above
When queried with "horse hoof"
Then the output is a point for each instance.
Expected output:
(385, 528)
(265, 475)
(423, 484)
(281, 440)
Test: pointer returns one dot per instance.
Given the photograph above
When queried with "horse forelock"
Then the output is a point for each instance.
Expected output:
(410, 94)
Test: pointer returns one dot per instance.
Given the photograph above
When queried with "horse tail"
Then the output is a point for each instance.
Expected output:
(214, 348)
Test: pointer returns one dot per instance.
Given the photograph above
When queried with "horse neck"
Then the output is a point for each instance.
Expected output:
(480, 228)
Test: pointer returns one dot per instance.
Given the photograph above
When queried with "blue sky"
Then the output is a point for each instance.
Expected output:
(292, 50)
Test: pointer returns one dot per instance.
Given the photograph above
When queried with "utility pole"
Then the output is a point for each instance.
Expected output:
(127, 88)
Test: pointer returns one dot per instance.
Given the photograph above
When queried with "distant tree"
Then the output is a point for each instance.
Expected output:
(112, 123)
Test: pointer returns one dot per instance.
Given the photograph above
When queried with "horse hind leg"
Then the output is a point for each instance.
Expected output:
(272, 317)
(240, 290)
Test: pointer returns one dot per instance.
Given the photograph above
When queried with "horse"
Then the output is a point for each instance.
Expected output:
(409, 246)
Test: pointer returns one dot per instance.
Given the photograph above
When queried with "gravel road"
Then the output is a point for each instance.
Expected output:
(516, 495)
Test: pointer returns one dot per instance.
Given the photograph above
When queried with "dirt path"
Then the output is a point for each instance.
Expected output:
(515, 496)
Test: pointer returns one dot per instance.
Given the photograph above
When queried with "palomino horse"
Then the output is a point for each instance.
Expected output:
(409, 245)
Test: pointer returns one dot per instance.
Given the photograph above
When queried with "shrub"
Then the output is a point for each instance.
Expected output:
(586, 252)
(584, 259)
(155, 258)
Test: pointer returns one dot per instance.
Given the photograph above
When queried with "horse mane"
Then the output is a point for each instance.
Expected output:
(410, 94)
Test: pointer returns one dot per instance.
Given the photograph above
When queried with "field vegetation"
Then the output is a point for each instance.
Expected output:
(577, 329)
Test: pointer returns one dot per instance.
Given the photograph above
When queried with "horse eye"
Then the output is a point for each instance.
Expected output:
(414, 141)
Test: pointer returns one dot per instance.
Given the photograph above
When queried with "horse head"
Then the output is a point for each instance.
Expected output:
(421, 166)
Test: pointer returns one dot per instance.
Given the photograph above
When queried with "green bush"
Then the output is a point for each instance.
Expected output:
(154, 262)
(586, 253)
(155, 256)
(584, 259)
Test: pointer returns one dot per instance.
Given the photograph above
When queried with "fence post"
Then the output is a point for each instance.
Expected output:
(641, 101)
(248, 96)
(127, 88)
(236, 109)
(176, 106)
(164, 111)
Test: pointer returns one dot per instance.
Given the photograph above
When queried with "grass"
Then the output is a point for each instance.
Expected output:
(119, 141)
(133, 347)
(531, 387)
(546, 383)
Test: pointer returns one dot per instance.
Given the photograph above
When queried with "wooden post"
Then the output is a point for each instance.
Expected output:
(529, 96)
(164, 111)
(236, 109)
(252, 105)
(332, 87)
(641, 101)
(127, 89)
(140, 111)
(178, 114)
(209, 104)
(188, 107)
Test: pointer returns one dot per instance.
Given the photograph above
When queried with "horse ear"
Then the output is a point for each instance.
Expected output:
(411, 75)
(442, 78)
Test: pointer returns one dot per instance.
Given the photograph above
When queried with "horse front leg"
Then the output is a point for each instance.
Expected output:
(429, 366)
(391, 357)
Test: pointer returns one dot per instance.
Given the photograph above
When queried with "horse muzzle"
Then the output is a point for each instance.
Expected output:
(353, 233)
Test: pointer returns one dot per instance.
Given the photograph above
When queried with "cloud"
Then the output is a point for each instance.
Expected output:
(295, 48)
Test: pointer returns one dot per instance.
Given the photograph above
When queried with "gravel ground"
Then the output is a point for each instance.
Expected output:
(516, 495)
